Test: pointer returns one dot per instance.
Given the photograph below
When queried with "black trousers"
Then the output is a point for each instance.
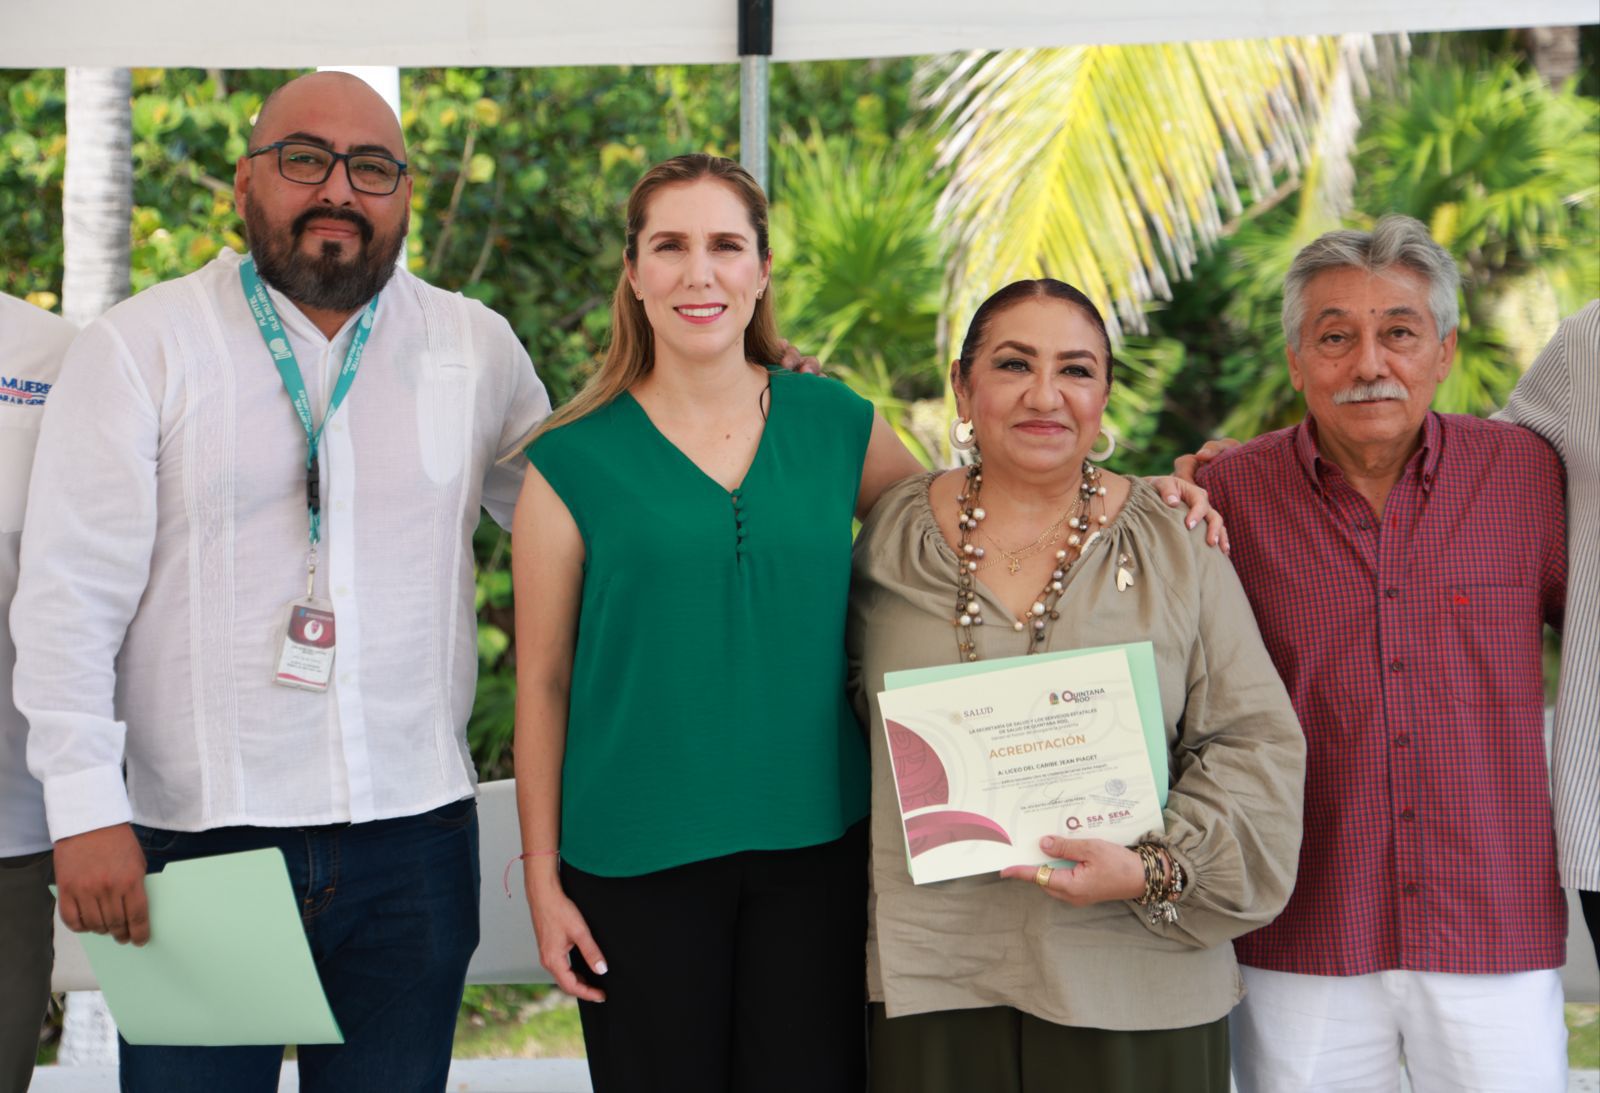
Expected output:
(26, 953)
(740, 974)
(1590, 902)
(1003, 1050)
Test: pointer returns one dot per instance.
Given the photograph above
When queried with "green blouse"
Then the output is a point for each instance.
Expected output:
(707, 712)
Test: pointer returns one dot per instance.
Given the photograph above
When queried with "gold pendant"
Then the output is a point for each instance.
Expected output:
(1015, 567)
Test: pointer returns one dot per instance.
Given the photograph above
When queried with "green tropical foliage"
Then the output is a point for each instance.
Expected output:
(861, 285)
(33, 158)
(861, 277)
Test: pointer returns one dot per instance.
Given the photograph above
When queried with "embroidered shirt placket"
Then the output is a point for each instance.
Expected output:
(338, 488)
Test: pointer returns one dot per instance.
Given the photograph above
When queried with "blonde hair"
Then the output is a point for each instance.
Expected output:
(631, 353)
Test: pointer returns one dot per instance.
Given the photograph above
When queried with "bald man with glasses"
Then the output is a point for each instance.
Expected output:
(247, 578)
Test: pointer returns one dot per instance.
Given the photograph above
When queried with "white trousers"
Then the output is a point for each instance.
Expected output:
(1456, 1033)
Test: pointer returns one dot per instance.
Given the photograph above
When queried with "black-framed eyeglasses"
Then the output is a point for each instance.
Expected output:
(311, 164)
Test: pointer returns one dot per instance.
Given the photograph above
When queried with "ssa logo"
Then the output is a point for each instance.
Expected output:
(18, 391)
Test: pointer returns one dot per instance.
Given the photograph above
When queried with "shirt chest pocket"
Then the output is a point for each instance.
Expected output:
(444, 400)
(1489, 643)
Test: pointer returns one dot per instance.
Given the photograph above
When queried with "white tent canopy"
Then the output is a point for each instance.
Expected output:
(532, 33)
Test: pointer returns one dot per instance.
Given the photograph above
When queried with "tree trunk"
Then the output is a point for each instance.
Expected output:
(97, 207)
(1554, 52)
(88, 1031)
(97, 198)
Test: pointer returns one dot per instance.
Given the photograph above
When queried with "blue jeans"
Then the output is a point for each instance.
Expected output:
(390, 909)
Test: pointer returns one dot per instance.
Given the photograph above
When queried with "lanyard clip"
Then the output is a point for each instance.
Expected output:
(313, 488)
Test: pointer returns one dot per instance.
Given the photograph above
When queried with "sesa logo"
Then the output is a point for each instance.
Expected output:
(1071, 697)
(23, 392)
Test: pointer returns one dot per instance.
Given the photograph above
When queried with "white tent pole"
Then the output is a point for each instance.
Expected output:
(755, 60)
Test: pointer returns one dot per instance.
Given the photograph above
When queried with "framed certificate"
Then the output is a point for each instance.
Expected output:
(990, 757)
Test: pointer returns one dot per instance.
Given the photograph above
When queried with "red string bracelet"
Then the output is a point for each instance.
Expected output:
(505, 878)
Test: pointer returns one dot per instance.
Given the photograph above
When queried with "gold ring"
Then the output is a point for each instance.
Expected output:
(1042, 877)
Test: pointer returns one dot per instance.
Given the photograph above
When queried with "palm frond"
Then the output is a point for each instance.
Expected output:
(1111, 167)
(1145, 368)
(853, 227)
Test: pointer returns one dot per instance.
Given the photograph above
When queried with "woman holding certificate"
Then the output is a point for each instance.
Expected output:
(1114, 974)
(682, 562)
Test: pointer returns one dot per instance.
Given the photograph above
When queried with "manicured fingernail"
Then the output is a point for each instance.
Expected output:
(600, 968)
(1172, 499)
(1190, 522)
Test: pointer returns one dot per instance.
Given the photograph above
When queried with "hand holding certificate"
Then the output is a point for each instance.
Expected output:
(990, 759)
(228, 962)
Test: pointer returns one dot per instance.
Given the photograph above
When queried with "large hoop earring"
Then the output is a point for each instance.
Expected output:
(963, 437)
(1111, 446)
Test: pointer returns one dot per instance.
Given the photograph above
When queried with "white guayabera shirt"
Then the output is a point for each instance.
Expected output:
(168, 532)
(31, 344)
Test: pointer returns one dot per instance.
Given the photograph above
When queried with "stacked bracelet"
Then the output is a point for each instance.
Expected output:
(1164, 881)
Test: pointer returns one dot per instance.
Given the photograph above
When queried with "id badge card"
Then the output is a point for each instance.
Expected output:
(305, 659)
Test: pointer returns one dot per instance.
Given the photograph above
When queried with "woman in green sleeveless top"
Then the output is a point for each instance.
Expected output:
(682, 562)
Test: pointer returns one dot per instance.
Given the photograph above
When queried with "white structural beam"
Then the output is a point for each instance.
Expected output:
(410, 33)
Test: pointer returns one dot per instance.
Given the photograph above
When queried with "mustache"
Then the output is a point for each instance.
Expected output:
(303, 221)
(1376, 391)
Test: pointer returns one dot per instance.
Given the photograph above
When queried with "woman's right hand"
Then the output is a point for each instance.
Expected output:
(559, 927)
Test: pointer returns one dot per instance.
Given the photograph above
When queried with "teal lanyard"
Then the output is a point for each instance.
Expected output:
(272, 333)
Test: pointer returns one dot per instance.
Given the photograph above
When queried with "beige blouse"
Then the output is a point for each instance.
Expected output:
(1237, 766)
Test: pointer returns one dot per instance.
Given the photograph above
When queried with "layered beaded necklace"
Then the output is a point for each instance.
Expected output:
(969, 612)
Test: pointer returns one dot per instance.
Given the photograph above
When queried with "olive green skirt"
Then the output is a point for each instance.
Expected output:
(1003, 1050)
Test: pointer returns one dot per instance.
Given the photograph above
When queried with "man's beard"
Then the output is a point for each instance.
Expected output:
(329, 281)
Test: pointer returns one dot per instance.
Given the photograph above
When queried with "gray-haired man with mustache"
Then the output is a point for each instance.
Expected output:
(1401, 565)
(247, 576)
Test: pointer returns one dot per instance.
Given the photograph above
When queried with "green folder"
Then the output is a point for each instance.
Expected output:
(1141, 668)
(227, 963)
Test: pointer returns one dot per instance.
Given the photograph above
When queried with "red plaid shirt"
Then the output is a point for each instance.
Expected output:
(1412, 652)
